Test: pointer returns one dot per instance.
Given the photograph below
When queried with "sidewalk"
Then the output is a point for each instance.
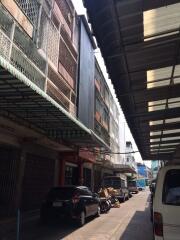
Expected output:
(8, 226)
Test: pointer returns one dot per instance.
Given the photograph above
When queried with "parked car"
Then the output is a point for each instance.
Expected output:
(119, 185)
(132, 186)
(75, 202)
(166, 204)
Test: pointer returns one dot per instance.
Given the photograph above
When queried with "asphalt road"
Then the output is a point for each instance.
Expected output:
(129, 222)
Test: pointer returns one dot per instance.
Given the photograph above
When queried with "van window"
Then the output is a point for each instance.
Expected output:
(112, 182)
(132, 184)
(171, 189)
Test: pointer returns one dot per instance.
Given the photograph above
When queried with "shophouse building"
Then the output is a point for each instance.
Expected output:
(41, 137)
(129, 157)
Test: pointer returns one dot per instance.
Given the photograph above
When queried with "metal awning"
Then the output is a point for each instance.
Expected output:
(22, 101)
(140, 43)
(123, 168)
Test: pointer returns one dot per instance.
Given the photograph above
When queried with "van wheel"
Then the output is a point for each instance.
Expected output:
(82, 218)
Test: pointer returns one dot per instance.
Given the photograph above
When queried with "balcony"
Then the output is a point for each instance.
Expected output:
(37, 64)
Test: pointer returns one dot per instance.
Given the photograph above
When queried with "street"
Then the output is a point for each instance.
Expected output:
(129, 222)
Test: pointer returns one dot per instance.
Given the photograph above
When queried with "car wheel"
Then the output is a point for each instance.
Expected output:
(82, 218)
(43, 219)
(98, 212)
(124, 198)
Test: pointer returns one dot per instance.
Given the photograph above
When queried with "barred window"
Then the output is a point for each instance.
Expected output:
(67, 60)
(66, 12)
(30, 9)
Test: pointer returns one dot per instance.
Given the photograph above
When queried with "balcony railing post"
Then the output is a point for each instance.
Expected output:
(11, 39)
(38, 27)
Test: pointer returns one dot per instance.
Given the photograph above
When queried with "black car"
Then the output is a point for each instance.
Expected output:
(75, 202)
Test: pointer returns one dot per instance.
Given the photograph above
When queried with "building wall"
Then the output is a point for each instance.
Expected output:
(86, 78)
(129, 157)
(142, 170)
(101, 112)
(114, 131)
(29, 48)
(27, 173)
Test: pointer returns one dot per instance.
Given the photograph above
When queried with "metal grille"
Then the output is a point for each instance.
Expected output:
(67, 60)
(38, 179)
(22, 63)
(49, 38)
(66, 12)
(4, 45)
(57, 80)
(8, 179)
(30, 8)
(57, 96)
(5, 21)
(29, 48)
(68, 42)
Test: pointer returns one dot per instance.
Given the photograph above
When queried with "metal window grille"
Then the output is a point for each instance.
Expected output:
(22, 63)
(66, 12)
(60, 84)
(9, 165)
(68, 42)
(67, 59)
(49, 38)
(57, 96)
(5, 21)
(5, 44)
(30, 9)
(29, 48)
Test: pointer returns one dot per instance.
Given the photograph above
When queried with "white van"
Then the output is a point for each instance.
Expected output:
(119, 185)
(166, 204)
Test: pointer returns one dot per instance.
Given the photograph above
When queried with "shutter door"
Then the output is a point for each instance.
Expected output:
(9, 165)
(38, 179)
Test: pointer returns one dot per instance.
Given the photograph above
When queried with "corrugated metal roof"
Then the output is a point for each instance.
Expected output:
(140, 43)
(23, 101)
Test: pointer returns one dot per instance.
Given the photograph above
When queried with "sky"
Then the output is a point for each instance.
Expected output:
(128, 136)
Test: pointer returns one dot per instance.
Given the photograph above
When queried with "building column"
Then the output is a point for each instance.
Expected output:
(81, 177)
(19, 186)
(92, 177)
(62, 171)
(56, 172)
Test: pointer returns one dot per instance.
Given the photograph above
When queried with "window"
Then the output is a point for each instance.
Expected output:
(85, 192)
(61, 192)
(123, 185)
(171, 190)
(98, 106)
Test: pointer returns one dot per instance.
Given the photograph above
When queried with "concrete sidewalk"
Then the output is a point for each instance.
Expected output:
(8, 226)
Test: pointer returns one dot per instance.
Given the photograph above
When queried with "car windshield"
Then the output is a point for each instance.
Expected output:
(61, 193)
(171, 190)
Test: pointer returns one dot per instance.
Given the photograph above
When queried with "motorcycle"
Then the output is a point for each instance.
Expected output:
(105, 204)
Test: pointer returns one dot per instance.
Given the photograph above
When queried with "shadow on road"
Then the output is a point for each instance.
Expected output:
(139, 227)
(35, 230)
